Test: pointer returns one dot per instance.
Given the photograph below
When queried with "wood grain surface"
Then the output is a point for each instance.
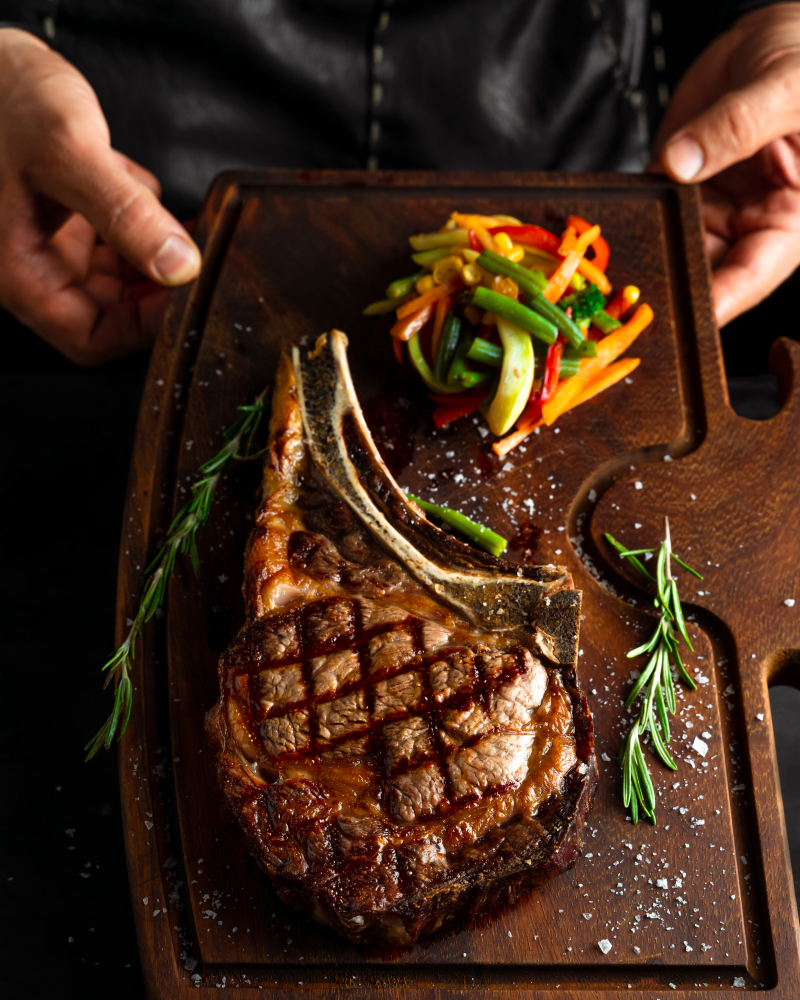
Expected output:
(702, 903)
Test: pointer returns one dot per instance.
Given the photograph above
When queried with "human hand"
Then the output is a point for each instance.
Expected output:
(733, 125)
(61, 187)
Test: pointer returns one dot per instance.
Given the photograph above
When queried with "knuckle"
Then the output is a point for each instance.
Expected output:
(740, 124)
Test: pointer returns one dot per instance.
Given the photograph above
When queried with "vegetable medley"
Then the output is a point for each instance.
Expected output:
(512, 321)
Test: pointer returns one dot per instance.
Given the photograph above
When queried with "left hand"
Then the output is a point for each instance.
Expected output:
(734, 126)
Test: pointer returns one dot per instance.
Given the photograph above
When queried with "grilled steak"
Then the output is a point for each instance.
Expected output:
(399, 730)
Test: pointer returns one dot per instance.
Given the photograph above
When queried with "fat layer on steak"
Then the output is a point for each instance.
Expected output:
(397, 756)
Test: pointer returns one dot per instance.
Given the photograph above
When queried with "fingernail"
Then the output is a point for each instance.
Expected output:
(177, 261)
(685, 158)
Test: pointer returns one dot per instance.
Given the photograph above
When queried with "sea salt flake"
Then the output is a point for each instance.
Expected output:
(605, 946)
(148, 824)
(739, 981)
(605, 756)
(588, 916)
(700, 746)
(789, 602)
(662, 883)
(639, 484)
(760, 716)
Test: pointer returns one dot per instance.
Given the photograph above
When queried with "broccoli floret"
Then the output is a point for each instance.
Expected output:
(584, 303)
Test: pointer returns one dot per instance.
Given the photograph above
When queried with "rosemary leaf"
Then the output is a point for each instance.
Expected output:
(655, 685)
(181, 540)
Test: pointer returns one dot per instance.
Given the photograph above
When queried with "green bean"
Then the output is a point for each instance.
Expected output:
(485, 539)
(531, 282)
(557, 317)
(451, 331)
(472, 379)
(458, 365)
(488, 354)
(512, 310)
(425, 258)
(400, 288)
(604, 322)
(586, 349)
(384, 306)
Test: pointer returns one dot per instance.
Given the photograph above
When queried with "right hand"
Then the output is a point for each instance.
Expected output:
(61, 187)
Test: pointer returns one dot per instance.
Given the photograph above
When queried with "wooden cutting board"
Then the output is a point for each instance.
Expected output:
(702, 903)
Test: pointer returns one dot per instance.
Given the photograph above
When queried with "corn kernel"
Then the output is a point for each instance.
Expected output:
(505, 286)
(578, 282)
(516, 254)
(446, 269)
(472, 274)
(425, 283)
(472, 315)
(630, 294)
(470, 256)
(504, 244)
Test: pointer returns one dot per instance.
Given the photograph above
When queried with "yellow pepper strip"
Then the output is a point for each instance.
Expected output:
(608, 377)
(593, 273)
(608, 350)
(433, 241)
(516, 377)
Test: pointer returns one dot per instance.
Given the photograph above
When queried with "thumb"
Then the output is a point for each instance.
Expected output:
(121, 205)
(737, 125)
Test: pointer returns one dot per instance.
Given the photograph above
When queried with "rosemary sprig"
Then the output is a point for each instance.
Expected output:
(181, 539)
(655, 682)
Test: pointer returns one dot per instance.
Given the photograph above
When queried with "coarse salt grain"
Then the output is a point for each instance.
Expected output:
(605, 946)
(700, 746)
(789, 602)
(638, 484)
(760, 716)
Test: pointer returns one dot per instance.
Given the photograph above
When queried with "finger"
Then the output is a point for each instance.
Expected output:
(716, 247)
(89, 179)
(90, 334)
(140, 173)
(737, 125)
(753, 268)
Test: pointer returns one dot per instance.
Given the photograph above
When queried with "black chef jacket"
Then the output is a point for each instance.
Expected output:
(191, 87)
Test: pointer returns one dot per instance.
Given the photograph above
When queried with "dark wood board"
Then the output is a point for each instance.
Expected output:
(289, 254)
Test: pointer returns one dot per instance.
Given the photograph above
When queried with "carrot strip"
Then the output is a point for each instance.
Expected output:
(622, 301)
(404, 329)
(510, 441)
(442, 309)
(446, 288)
(608, 377)
(568, 240)
(601, 249)
(592, 272)
(608, 350)
(561, 277)
(398, 350)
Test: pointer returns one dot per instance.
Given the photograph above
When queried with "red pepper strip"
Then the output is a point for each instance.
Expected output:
(532, 412)
(404, 329)
(444, 415)
(531, 236)
(474, 242)
(552, 368)
(620, 303)
(600, 246)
